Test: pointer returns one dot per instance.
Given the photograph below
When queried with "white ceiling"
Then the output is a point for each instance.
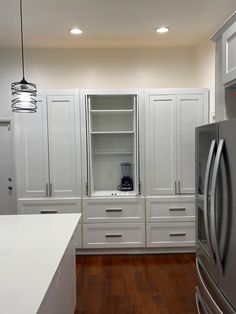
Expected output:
(112, 23)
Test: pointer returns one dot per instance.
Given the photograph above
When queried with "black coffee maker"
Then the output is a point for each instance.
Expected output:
(126, 180)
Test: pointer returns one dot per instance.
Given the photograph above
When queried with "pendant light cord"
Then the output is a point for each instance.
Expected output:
(22, 40)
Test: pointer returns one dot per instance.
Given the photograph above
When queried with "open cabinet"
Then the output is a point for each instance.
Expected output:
(113, 208)
(112, 145)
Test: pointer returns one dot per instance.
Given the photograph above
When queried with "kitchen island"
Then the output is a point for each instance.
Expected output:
(37, 264)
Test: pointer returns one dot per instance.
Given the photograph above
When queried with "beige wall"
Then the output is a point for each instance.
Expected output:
(205, 56)
(107, 68)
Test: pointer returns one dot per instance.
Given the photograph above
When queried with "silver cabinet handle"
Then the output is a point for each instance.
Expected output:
(205, 196)
(176, 209)
(213, 205)
(175, 187)
(110, 210)
(47, 190)
(179, 186)
(49, 211)
(177, 234)
(113, 235)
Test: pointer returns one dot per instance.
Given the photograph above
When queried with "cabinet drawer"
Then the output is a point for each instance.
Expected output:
(167, 209)
(114, 211)
(170, 234)
(49, 207)
(113, 235)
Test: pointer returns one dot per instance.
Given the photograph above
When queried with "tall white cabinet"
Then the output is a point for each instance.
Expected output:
(48, 155)
(171, 118)
(113, 218)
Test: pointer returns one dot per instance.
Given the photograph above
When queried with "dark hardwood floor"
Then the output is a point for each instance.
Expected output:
(136, 284)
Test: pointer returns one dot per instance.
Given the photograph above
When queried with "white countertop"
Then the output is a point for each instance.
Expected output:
(31, 248)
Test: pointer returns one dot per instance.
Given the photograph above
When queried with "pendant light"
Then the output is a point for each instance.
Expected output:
(23, 92)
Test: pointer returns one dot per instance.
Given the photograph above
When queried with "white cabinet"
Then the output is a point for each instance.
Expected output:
(111, 138)
(161, 144)
(174, 234)
(113, 210)
(229, 55)
(171, 118)
(170, 208)
(114, 235)
(48, 147)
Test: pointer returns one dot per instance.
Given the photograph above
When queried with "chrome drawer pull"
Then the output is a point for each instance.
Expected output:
(177, 234)
(45, 211)
(113, 235)
(110, 210)
(173, 209)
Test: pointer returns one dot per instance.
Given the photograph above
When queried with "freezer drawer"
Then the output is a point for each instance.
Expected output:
(113, 235)
(210, 295)
(174, 234)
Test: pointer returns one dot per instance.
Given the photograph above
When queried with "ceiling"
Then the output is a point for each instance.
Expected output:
(112, 23)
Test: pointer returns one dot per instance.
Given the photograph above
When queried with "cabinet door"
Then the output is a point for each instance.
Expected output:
(229, 54)
(62, 145)
(32, 160)
(190, 114)
(161, 144)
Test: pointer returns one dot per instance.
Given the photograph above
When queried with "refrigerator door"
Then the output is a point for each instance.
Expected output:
(209, 298)
(224, 210)
(206, 146)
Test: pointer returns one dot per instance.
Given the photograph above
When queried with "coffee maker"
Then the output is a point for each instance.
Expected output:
(126, 180)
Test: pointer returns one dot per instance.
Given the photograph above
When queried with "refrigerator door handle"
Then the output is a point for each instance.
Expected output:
(213, 205)
(206, 188)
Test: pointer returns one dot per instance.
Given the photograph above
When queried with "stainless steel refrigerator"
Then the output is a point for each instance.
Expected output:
(216, 217)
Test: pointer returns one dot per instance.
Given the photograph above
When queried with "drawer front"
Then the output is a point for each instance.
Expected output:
(113, 235)
(170, 234)
(96, 211)
(49, 208)
(162, 210)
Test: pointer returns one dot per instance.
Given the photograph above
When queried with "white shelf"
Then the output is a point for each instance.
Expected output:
(113, 153)
(116, 111)
(112, 132)
(113, 193)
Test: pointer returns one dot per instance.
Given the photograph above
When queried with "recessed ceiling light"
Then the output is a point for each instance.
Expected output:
(162, 29)
(75, 31)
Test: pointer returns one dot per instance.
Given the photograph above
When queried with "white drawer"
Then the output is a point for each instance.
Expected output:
(49, 207)
(170, 209)
(171, 234)
(113, 235)
(107, 210)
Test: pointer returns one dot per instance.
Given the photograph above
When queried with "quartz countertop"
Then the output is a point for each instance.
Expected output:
(31, 248)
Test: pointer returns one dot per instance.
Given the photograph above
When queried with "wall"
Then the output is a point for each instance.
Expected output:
(106, 68)
(205, 58)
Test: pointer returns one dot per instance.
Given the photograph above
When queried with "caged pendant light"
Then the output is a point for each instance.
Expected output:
(23, 92)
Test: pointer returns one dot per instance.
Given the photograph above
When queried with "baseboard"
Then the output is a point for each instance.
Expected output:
(129, 251)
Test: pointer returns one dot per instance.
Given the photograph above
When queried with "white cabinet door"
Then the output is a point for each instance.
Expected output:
(62, 145)
(161, 144)
(229, 54)
(32, 162)
(190, 114)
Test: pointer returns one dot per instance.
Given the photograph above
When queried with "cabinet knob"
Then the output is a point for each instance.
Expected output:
(9, 187)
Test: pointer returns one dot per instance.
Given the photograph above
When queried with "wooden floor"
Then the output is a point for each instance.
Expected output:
(136, 284)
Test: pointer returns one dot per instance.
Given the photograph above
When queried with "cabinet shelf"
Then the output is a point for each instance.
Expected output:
(112, 132)
(113, 153)
(116, 111)
(113, 193)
